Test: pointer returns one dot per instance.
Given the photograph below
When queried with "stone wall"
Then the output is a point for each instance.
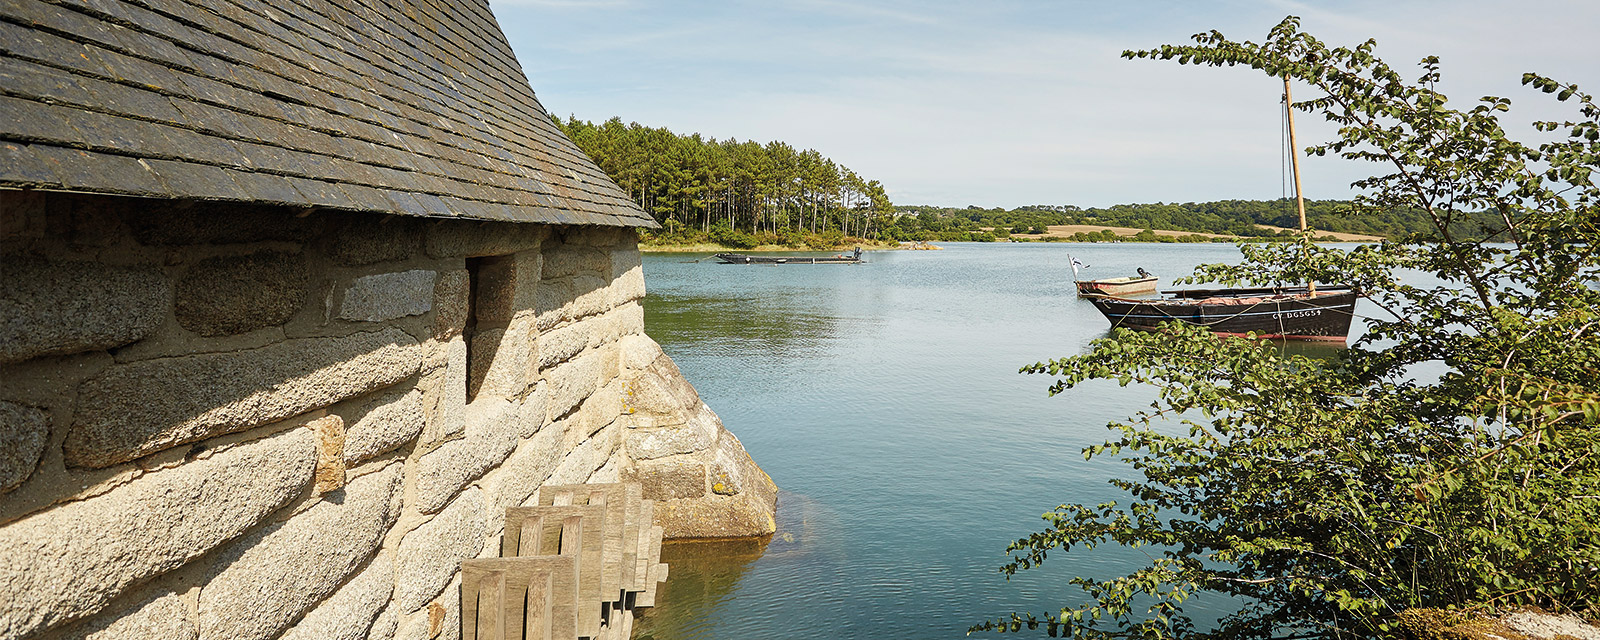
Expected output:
(227, 421)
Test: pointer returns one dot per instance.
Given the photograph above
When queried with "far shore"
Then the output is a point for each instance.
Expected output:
(1053, 231)
(1066, 231)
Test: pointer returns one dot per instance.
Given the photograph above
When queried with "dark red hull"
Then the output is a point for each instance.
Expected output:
(1285, 312)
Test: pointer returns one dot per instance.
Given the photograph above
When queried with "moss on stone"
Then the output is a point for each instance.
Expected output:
(1441, 624)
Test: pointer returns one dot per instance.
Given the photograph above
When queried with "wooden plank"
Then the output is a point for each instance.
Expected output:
(634, 494)
(575, 531)
(482, 589)
(581, 536)
(533, 597)
(528, 533)
(539, 607)
(644, 559)
(657, 573)
(614, 496)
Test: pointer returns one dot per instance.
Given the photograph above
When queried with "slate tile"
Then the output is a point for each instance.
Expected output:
(199, 147)
(268, 158)
(149, 46)
(213, 120)
(21, 167)
(424, 164)
(15, 39)
(48, 16)
(232, 97)
(317, 142)
(35, 121)
(320, 166)
(434, 205)
(322, 194)
(351, 171)
(91, 171)
(40, 82)
(125, 135)
(139, 72)
(38, 46)
(363, 151)
(466, 208)
(214, 68)
(454, 206)
(111, 10)
(132, 101)
(141, 17)
(424, 183)
(268, 188)
(367, 198)
(198, 181)
(407, 203)
(507, 212)
(259, 129)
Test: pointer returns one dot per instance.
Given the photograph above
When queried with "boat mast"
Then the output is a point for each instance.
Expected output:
(1294, 162)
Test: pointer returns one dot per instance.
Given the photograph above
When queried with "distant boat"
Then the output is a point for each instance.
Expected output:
(737, 258)
(1145, 282)
(1294, 313)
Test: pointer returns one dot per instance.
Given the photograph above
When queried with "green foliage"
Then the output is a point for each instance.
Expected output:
(1448, 459)
(1228, 217)
(746, 186)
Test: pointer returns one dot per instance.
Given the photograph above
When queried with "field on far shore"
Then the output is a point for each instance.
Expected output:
(1066, 231)
(1350, 237)
(1053, 231)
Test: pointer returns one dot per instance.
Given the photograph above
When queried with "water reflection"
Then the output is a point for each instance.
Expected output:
(704, 575)
(885, 399)
(738, 324)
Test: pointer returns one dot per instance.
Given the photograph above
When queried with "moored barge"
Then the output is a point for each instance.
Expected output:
(1295, 313)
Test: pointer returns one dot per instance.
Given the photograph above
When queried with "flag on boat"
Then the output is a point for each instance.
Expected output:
(1078, 265)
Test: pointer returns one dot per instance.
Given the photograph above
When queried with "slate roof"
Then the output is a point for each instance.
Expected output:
(412, 107)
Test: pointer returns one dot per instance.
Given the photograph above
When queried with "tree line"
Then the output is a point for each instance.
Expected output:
(770, 190)
(1227, 217)
(743, 194)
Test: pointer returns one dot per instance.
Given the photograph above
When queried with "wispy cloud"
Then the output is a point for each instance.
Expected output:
(1012, 102)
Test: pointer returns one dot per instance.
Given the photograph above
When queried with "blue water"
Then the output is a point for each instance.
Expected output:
(885, 402)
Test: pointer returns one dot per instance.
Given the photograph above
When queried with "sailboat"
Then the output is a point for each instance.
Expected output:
(1297, 313)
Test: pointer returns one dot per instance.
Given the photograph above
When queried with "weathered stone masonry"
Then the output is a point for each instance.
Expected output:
(241, 422)
(296, 297)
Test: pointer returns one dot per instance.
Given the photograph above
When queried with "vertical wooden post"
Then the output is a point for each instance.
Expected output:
(576, 566)
(1294, 163)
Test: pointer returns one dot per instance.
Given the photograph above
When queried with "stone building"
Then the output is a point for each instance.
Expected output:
(295, 298)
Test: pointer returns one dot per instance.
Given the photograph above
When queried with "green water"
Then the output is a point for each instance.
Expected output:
(884, 400)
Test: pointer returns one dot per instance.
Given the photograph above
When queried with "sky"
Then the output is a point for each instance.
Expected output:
(1015, 102)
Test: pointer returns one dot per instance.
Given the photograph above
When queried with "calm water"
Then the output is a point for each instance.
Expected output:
(884, 400)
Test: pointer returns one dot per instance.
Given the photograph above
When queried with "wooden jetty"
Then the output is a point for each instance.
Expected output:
(577, 565)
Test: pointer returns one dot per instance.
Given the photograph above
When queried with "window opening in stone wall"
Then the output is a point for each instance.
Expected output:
(474, 276)
(490, 283)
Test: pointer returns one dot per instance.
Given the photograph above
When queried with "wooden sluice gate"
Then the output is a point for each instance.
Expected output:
(577, 565)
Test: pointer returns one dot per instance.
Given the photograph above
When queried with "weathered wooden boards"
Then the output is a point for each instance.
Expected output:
(577, 565)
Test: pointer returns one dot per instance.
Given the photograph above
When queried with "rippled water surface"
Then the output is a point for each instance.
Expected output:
(884, 400)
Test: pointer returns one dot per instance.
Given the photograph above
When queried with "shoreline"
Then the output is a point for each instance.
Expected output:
(907, 246)
(708, 247)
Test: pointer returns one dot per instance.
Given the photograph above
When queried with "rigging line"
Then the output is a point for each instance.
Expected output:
(1283, 154)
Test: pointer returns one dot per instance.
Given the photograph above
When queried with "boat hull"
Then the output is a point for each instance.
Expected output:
(1117, 286)
(735, 258)
(1269, 313)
